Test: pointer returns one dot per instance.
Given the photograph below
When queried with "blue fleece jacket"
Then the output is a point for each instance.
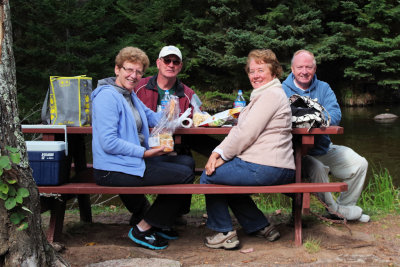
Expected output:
(115, 144)
(326, 97)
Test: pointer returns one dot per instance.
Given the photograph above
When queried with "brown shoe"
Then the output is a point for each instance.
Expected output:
(270, 233)
(219, 240)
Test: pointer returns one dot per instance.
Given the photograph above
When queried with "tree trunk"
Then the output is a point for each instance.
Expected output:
(27, 247)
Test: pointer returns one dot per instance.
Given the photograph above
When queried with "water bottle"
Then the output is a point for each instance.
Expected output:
(164, 101)
(239, 101)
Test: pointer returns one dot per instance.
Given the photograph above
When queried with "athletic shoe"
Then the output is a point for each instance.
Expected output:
(350, 212)
(270, 233)
(168, 234)
(219, 240)
(148, 239)
(364, 218)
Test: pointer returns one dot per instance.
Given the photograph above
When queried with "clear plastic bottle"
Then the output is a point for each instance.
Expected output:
(239, 101)
(165, 100)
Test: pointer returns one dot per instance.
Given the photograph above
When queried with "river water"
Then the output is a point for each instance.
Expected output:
(378, 142)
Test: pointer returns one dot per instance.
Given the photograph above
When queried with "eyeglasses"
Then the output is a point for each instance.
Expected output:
(130, 71)
(168, 60)
(254, 72)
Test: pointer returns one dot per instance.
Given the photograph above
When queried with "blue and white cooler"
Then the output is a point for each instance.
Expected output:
(47, 160)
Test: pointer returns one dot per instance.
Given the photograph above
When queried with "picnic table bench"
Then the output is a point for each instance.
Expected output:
(83, 185)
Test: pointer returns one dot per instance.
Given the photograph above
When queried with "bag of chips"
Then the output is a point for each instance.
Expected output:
(221, 118)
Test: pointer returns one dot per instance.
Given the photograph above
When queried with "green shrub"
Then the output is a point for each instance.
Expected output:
(380, 195)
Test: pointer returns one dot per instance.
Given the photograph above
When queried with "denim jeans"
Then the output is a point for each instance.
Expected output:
(239, 172)
(160, 170)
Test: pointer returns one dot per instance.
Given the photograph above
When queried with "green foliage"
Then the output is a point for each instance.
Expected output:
(198, 204)
(270, 203)
(356, 43)
(12, 195)
(380, 195)
(62, 38)
(370, 46)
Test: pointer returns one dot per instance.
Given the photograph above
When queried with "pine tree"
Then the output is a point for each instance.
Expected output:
(60, 38)
(369, 43)
(22, 242)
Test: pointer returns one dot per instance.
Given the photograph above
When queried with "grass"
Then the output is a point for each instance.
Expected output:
(268, 203)
(380, 196)
(312, 245)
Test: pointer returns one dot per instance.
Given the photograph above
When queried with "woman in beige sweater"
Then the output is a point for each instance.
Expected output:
(257, 151)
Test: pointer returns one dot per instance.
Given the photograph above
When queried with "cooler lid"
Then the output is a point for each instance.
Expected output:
(45, 146)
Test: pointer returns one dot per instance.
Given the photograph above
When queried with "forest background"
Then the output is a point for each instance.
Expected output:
(356, 43)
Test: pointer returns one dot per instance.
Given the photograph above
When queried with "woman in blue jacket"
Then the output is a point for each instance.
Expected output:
(121, 154)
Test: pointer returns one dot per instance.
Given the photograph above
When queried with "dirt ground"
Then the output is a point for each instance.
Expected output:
(376, 243)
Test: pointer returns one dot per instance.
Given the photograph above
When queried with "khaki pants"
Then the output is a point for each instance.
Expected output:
(343, 163)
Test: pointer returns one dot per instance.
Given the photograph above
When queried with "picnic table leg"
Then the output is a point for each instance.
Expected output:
(297, 219)
(297, 200)
(85, 210)
(306, 203)
(77, 149)
(57, 212)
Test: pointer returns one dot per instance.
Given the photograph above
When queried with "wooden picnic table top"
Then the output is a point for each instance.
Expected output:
(193, 130)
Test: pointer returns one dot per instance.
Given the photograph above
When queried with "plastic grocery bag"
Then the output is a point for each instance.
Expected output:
(161, 135)
(198, 115)
(221, 118)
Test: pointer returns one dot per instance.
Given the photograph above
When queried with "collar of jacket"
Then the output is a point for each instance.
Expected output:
(152, 85)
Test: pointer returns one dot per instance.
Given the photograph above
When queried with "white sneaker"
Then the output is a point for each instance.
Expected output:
(219, 240)
(364, 218)
(350, 212)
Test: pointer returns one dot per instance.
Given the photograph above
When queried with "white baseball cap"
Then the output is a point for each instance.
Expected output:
(170, 50)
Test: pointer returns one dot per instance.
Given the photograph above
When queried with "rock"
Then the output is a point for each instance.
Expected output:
(385, 117)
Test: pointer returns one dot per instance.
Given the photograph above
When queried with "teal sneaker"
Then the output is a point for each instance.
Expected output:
(168, 234)
(148, 239)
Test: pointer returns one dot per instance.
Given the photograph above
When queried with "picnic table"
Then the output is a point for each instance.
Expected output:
(83, 184)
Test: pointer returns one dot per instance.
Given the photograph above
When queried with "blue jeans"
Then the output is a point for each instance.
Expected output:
(239, 172)
(160, 170)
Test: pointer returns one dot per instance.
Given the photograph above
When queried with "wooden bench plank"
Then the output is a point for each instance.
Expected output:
(91, 188)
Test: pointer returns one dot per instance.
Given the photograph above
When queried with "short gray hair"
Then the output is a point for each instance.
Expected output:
(304, 51)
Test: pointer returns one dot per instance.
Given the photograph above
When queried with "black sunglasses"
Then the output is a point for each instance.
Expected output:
(168, 60)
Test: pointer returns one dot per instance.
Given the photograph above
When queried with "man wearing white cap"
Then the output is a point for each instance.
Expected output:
(152, 89)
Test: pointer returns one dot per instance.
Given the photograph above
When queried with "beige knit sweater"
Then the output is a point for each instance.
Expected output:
(263, 133)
